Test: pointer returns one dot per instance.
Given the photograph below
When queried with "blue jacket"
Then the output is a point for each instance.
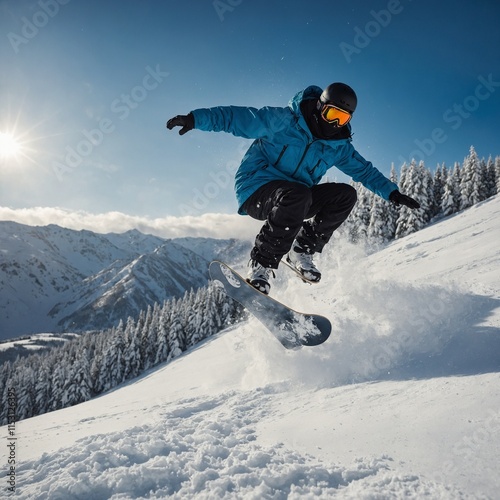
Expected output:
(284, 148)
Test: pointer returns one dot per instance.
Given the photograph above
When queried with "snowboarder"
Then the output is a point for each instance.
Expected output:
(278, 179)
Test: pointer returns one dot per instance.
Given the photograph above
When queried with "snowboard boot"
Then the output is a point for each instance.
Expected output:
(302, 260)
(258, 276)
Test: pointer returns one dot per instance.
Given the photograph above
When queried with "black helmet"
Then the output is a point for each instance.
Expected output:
(340, 95)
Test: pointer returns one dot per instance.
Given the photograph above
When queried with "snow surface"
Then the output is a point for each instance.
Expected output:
(403, 400)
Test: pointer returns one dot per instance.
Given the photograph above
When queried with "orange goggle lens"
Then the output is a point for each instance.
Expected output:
(333, 114)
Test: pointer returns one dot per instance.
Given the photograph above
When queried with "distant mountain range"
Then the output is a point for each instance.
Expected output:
(54, 279)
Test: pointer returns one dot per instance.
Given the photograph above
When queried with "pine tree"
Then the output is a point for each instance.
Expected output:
(175, 339)
(10, 383)
(78, 386)
(449, 202)
(403, 227)
(42, 389)
(210, 313)
(149, 336)
(113, 365)
(58, 380)
(416, 186)
(497, 174)
(392, 210)
(195, 327)
(490, 178)
(5, 373)
(438, 187)
(402, 177)
(163, 333)
(26, 393)
(132, 351)
(360, 215)
(378, 229)
(471, 182)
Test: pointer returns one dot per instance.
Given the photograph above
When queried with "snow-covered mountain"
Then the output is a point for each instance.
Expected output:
(402, 401)
(55, 279)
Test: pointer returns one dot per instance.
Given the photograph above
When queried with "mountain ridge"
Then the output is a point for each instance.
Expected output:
(55, 279)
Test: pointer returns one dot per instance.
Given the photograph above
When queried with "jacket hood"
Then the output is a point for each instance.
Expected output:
(311, 92)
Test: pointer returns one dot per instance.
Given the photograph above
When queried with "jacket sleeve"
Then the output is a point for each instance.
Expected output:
(250, 123)
(363, 171)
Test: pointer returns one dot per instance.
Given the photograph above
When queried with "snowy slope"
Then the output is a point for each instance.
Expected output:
(403, 401)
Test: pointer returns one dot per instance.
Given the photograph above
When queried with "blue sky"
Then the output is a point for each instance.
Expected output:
(87, 86)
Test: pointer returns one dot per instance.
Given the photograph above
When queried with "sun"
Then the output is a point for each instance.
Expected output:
(10, 147)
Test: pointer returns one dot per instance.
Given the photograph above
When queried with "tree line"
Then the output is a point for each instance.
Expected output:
(440, 193)
(94, 363)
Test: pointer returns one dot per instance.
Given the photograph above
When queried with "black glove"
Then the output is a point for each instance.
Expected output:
(401, 199)
(184, 121)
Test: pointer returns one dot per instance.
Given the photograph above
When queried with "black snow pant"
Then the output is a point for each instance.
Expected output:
(292, 210)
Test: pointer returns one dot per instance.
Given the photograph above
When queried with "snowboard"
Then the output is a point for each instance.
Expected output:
(292, 328)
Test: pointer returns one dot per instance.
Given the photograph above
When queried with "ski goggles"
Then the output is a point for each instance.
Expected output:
(332, 114)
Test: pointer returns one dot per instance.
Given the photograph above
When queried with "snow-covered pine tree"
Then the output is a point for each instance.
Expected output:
(9, 384)
(84, 380)
(190, 319)
(392, 210)
(5, 371)
(25, 393)
(162, 325)
(402, 177)
(449, 202)
(457, 174)
(42, 388)
(438, 186)
(78, 386)
(112, 366)
(59, 370)
(193, 318)
(379, 230)
(429, 193)
(176, 344)
(359, 218)
(497, 174)
(132, 350)
(402, 223)
(139, 327)
(416, 186)
(149, 336)
(210, 314)
(471, 182)
(95, 369)
(484, 183)
(490, 178)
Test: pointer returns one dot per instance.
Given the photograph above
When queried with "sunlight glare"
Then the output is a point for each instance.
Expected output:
(9, 145)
